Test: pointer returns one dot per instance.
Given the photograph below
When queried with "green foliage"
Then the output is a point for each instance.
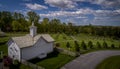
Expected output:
(83, 45)
(33, 17)
(77, 48)
(90, 44)
(57, 44)
(10, 20)
(112, 46)
(105, 45)
(68, 45)
(98, 45)
(110, 63)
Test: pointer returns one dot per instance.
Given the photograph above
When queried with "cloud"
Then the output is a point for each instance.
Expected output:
(103, 3)
(86, 16)
(73, 3)
(78, 12)
(61, 3)
(35, 6)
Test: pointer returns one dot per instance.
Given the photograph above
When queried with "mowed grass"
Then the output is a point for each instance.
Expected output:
(53, 61)
(110, 63)
(62, 39)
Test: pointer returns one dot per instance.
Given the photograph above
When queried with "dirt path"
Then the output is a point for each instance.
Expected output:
(90, 60)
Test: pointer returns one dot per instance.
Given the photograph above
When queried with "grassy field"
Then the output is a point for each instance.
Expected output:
(110, 63)
(63, 39)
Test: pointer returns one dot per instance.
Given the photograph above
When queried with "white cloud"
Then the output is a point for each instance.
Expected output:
(78, 12)
(104, 3)
(61, 3)
(35, 6)
(73, 3)
(82, 15)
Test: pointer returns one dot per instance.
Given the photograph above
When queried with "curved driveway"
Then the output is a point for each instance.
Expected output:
(90, 60)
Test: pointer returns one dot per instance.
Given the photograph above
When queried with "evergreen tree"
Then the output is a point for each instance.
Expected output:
(77, 48)
(90, 44)
(68, 45)
(105, 45)
(98, 45)
(83, 45)
(112, 46)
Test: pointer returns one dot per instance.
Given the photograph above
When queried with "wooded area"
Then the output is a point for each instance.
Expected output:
(17, 22)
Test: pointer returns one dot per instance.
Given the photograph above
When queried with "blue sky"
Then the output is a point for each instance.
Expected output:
(79, 12)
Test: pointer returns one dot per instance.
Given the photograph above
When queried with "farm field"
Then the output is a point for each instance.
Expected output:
(62, 39)
(110, 63)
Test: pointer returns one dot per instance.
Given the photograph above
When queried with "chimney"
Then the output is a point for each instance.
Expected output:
(33, 30)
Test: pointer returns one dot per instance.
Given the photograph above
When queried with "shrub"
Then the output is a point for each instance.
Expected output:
(68, 45)
(77, 48)
(105, 45)
(98, 45)
(57, 44)
(112, 46)
(90, 44)
(84, 45)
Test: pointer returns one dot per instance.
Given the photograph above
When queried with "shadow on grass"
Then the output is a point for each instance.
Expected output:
(15, 66)
(50, 55)
(2, 43)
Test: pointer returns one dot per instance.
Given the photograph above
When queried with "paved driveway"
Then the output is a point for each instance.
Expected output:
(90, 60)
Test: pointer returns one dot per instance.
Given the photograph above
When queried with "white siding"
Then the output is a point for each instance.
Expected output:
(14, 51)
(39, 48)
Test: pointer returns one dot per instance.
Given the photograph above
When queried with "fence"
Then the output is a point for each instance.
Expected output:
(66, 52)
(33, 66)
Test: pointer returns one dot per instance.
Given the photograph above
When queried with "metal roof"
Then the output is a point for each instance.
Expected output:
(28, 40)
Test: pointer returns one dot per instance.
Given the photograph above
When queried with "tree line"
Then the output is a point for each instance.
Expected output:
(18, 22)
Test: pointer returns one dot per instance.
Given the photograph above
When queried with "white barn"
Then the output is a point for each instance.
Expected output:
(30, 46)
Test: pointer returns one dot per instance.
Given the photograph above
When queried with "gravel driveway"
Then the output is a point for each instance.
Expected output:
(90, 60)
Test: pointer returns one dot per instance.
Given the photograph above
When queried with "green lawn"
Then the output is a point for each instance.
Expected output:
(110, 63)
(53, 61)
(62, 39)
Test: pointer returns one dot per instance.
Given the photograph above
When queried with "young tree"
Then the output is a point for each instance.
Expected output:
(105, 45)
(84, 45)
(98, 45)
(77, 48)
(112, 46)
(68, 45)
(90, 44)
(119, 45)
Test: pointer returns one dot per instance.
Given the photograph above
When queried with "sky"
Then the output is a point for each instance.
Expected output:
(79, 12)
